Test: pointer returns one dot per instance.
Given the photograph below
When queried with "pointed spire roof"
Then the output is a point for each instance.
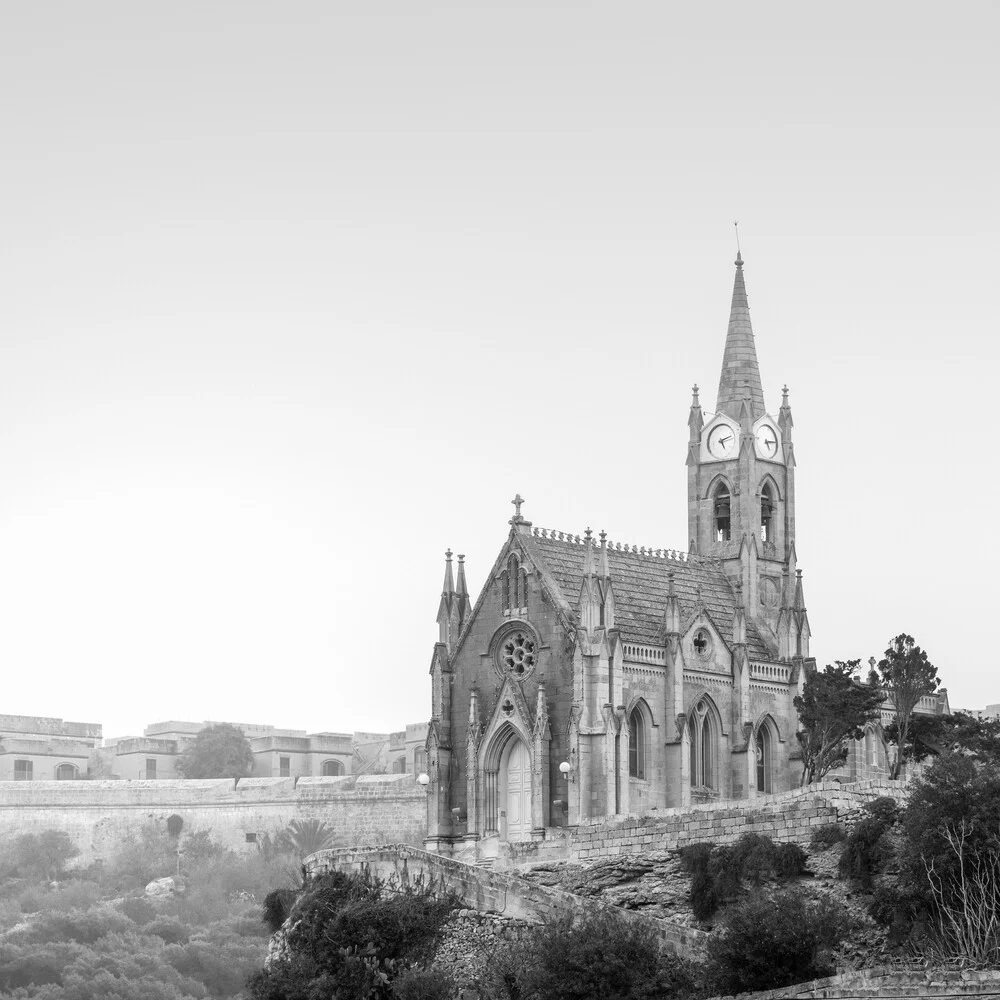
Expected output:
(448, 587)
(462, 590)
(740, 377)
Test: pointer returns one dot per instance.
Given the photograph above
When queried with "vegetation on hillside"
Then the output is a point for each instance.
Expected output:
(91, 934)
(353, 936)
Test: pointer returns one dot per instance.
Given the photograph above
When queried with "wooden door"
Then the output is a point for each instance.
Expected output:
(518, 791)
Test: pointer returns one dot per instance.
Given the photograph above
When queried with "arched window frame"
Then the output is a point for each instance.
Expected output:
(704, 735)
(767, 510)
(640, 721)
(764, 752)
(722, 512)
(332, 768)
(72, 775)
(514, 586)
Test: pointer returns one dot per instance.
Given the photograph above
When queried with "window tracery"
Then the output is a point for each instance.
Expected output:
(516, 651)
(704, 741)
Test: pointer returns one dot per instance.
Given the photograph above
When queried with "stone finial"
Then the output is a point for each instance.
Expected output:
(517, 501)
(694, 395)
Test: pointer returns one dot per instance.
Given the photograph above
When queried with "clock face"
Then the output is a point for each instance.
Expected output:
(722, 441)
(767, 441)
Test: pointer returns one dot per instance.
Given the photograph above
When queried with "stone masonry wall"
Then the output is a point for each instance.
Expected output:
(890, 982)
(100, 815)
(492, 892)
(788, 816)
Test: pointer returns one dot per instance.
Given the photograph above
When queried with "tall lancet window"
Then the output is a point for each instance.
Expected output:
(704, 740)
(514, 584)
(766, 514)
(721, 514)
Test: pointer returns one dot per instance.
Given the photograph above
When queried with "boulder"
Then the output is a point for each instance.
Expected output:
(160, 887)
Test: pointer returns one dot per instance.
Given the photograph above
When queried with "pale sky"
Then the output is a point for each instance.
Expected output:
(294, 296)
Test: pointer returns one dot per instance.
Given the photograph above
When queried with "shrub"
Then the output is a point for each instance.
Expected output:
(355, 931)
(789, 860)
(865, 850)
(423, 984)
(704, 899)
(717, 872)
(168, 929)
(955, 794)
(138, 909)
(601, 954)
(38, 856)
(770, 942)
(277, 905)
(827, 835)
(884, 809)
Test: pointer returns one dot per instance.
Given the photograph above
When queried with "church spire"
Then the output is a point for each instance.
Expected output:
(462, 592)
(740, 377)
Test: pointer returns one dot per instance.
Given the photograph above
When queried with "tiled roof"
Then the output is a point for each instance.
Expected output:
(640, 586)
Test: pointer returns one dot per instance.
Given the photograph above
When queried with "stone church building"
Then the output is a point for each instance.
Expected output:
(591, 678)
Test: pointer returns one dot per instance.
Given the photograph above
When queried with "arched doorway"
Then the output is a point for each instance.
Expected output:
(515, 771)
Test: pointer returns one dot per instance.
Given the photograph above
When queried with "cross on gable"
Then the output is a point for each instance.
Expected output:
(517, 501)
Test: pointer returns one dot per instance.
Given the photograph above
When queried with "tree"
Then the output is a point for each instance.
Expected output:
(906, 675)
(303, 837)
(772, 941)
(833, 708)
(220, 751)
(933, 735)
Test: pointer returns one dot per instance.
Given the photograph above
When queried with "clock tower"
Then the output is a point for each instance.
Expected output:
(741, 488)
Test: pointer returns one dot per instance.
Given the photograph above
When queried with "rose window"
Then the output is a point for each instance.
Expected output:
(517, 654)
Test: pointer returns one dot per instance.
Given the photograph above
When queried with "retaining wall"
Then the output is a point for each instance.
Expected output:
(788, 816)
(489, 891)
(889, 982)
(100, 815)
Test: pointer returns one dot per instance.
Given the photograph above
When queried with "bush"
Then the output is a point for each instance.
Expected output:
(884, 809)
(789, 860)
(770, 942)
(138, 909)
(827, 835)
(38, 856)
(355, 931)
(423, 984)
(601, 954)
(864, 852)
(704, 898)
(717, 873)
(955, 794)
(277, 905)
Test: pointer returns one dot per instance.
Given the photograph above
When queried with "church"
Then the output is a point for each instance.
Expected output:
(593, 679)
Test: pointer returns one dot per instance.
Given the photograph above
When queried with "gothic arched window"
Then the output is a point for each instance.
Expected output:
(636, 744)
(703, 739)
(721, 514)
(514, 583)
(766, 514)
(763, 750)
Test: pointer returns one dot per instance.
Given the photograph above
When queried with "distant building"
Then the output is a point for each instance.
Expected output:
(278, 753)
(39, 748)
